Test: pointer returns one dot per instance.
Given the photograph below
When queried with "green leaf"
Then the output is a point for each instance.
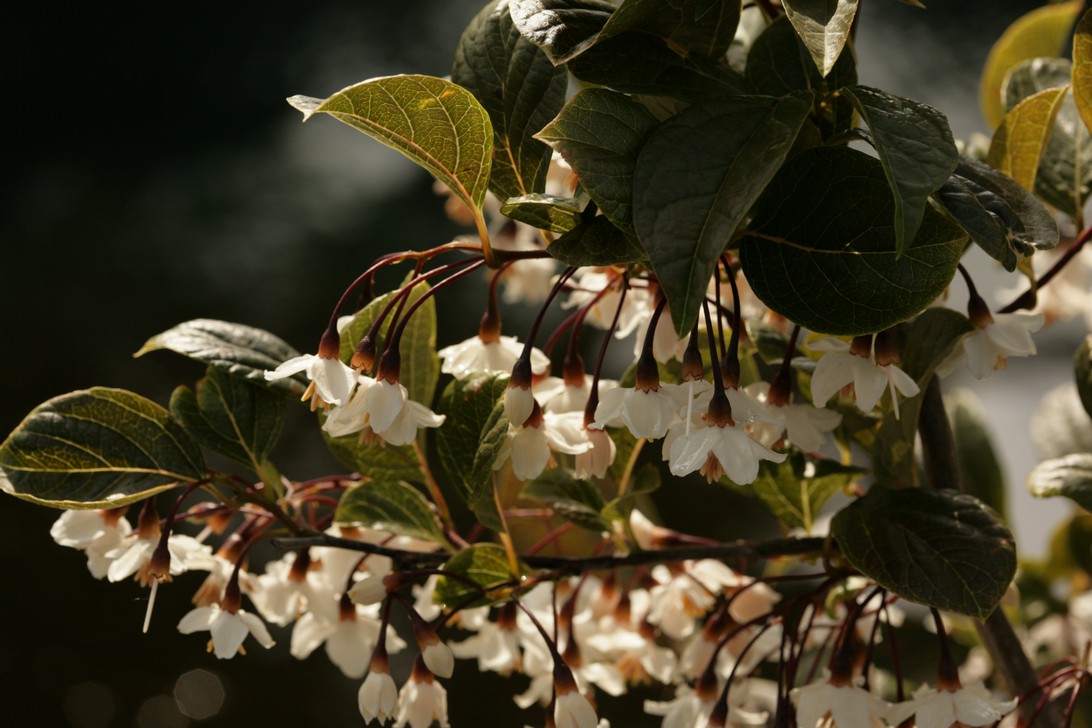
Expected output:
(1082, 371)
(1019, 142)
(1042, 32)
(420, 364)
(696, 178)
(98, 448)
(519, 88)
(1069, 476)
(916, 150)
(1002, 218)
(928, 342)
(939, 548)
(1030, 77)
(482, 564)
(467, 404)
(699, 27)
(478, 488)
(980, 471)
(375, 460)
(437, 124)
(796, 489)
(636, 63)
(242, 351)
(575, 500)
(546, 212)
(644, 480)
(390, 506)
(562, 28)
(821, 250)
(778, 64)
(599, 133)
(823, 26)
(237, 419)
(1082, 69)
(1064, 179)
(597, 242)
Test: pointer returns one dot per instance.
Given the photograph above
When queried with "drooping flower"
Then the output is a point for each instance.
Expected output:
(490, 357)
(847, 705)
(377, 697)
(331, 380)
(969, 705)
(986, 348)
(421, 700)
(529, 446)
(858, 365)
(228, 628)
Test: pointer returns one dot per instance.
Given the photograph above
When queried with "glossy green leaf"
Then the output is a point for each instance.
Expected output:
(1002, 218)
(699, 27)
(597, 242)
(390, 506)
(928, 342)
(1069, 476)
(980, 472)
(242, 351)
(1044, 32)
(546, 212)
(478, 488)
(939, 548)
(916, 149)
(821, 249)
(562, 28)
(696, 178)
(1019, 141)
(778, 64)
(823, 26)
(420, 366)
(795, 490)
(1082, 69)
(467, 404)
(636, 63)
(237, 419)
(480, 569)
(574, 500)
(519, 88)
(437, 124)
(1082, 372)
(98, 448)
(599, 133)
(375, 460)
(1064, 179)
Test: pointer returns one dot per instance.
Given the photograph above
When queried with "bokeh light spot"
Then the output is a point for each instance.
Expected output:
(199, 694)
(88, 705)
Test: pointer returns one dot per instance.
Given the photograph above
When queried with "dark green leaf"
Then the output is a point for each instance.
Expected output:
(928, 342)
(823, 26)
(242, 351)
(597, 242)
(1002, 218)
(562, 28)
(644, 480)
(778, 64)
(467, 404)
(599, 133)
(980, 471)
(375, 460)
(635, 63)
(575, 500)
(479, 482)
(390, 506)
(796, 489)
(520, 89)
(480, 569)
(437, 124)
(1069, 476)
(697, 177)
(821, 249)
(1030, 77)
(233, 417)
(939, 548)
(546, 212)
(916, 149)
(700, 27)
(1064, 179)
(98, 448)
(1082, 370)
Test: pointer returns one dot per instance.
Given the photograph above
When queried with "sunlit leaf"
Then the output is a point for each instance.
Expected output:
(477, 570)
(437, 124)
(573, 499)
(546, 212)
(1019, 141)
(823, 26)
(795, 490)
(1082, 69)
(1069, 476)
(98, 448)
(390, 506)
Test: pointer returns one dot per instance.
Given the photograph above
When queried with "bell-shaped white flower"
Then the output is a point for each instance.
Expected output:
(987, 347)
(840, 366)
(847, 705)
(228, 628)
(969, 705)
(476, 355)
(422, 700)
(377, 697)
(529, 446)
(331, 380)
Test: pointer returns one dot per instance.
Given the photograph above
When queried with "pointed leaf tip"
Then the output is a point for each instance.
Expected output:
(306, 105)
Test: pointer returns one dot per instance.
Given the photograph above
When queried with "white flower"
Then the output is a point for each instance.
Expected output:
(421, 701)
(985, 348)
(585, 287)
(847, 705)
(228, 629)
(378, 697)
(647, 413)
(331, 381)
(491, 357)
(597, 459)
(96, 533)
(133, 553)
(349, 638)
(385, 409)
(572, 710)
(839, 367)
(970, 705)
(804, 425)
(529, 446)
(716, 450)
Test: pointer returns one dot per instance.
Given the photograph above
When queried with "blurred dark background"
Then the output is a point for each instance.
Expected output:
(154, 174)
